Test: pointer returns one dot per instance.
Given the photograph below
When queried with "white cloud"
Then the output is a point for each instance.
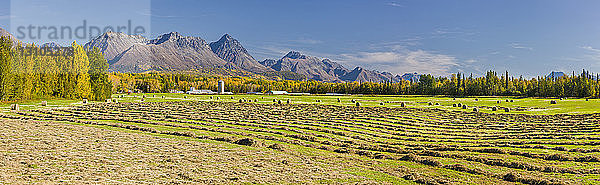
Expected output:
(3, 17)
(520, 46)
(590, 48)
(395, 4)
(593, 54)
(404, 62)
(308, 41)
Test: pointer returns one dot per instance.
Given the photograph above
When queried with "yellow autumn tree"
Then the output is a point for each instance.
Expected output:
(80, 69)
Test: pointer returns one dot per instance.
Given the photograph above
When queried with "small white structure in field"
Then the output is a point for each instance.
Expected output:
(193, 91)
(298, 94)
(14, 107)
(44, 103)
(108, 100)
(278, 92)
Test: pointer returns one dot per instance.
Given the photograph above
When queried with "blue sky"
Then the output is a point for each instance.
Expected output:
(527, 38)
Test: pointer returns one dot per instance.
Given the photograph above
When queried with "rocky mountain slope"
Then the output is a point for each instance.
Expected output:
(312, 67)
(232, 51)
(114, 43)
(168, 52)
(363, 75)
(4, 33)
(325, 70)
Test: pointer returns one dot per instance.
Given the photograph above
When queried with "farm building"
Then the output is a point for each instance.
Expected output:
(278, 92)
(176, 91)
(202, 91)
(298, 94)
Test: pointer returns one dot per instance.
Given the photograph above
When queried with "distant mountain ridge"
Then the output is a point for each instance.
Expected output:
(326, 70)
(168, 52)
(175, 52)
(555, 74)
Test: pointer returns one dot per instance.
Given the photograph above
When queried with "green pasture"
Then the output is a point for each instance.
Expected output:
(483, 104)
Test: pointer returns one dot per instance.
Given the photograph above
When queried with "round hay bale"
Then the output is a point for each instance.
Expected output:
(358, 104)
(476, 99)
(84, 101)
(116, 100)
(339, 100)
(44, 103)
(454, 105)
(318, 101)
(459, 104)
(587, 99)
(108, 101)
(274, 100)
(184, 97)
(498, 101)
(465, 107)
(142, 100)
(163, 97)
(218, 98)
(475, 109)
(288, 101)
(506, 100)
(279, 101)
(211, 97)
(453, 99)
(437, 103)
(255, 100)
(277, 146)
(494, 108)
(561, 99)
(144, 96)
(512, 101)
(553, 102)
(402, 104)
(353, 101)
(506, 109)
(381, 103)
(245, 141)
(232, 97)
(430, 104)
(241, 101)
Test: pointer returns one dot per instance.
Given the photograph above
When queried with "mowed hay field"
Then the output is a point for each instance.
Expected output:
(313, 139)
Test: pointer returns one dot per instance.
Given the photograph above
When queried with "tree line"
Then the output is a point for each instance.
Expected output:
(492, 84)
(32, 72)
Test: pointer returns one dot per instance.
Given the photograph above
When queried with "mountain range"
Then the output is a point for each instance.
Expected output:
(175, 52)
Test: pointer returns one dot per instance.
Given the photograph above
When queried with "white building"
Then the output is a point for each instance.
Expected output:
(202, 91)
(278, 92)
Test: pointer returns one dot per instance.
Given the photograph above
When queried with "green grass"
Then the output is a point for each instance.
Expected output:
(533, 105)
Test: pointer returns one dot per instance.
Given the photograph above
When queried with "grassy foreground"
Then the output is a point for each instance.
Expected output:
(176, 138)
